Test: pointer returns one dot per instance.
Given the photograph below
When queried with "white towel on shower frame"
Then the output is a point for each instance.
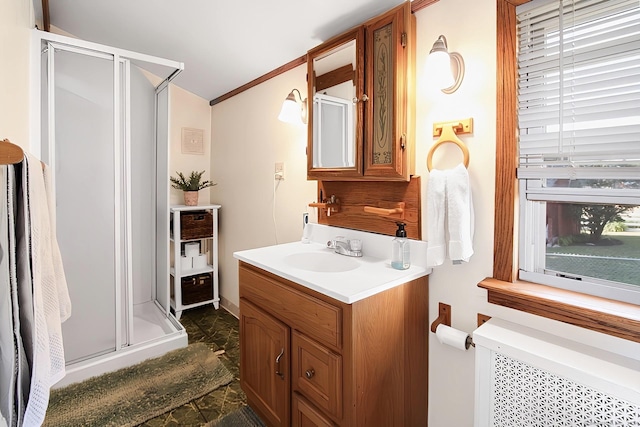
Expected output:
(50, 294)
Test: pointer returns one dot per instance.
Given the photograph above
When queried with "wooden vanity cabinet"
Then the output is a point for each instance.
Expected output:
(309, 360)
(376, 120)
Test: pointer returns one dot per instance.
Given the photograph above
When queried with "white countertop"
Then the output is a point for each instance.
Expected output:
(363, 276)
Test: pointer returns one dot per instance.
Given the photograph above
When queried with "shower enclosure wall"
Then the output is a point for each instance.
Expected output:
(104, 131)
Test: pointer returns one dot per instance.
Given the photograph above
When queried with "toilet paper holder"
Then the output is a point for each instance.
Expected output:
(444, 318)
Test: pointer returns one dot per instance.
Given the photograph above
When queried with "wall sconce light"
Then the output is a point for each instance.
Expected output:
(291, 111)
(445, 69)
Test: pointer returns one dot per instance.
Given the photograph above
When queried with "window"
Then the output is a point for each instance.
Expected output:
(579, 145)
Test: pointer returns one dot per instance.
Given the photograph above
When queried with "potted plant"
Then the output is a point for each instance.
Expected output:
(190, 186)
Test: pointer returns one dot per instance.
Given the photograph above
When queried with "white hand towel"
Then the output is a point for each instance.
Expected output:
(59, 278)
(436, 211)
(459, 214)
(50, 294)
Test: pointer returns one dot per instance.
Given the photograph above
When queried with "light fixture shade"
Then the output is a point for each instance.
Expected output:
(439, 66)
(445, 69)
(291, 111)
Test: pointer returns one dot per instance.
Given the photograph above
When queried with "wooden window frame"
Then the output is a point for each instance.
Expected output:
(599, 314)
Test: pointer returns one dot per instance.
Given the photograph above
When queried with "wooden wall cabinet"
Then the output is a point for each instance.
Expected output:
(364, 82)
(309, 360)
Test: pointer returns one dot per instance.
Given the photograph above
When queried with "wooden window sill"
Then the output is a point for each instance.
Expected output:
(599, 314)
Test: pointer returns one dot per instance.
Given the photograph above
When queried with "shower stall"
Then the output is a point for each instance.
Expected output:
(104, 129)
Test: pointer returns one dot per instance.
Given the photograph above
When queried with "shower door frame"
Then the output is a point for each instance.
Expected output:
(121, 141)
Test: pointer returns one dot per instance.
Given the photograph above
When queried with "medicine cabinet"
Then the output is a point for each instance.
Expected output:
(361, 107)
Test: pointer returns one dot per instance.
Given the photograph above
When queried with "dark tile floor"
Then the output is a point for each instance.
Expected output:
(219, 329)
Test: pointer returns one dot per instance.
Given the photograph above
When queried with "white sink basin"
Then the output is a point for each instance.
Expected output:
(322, 262)
(346, 279)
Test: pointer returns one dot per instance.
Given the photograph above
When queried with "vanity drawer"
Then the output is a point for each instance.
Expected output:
(316, 373)
(316, 318)
(303, 414)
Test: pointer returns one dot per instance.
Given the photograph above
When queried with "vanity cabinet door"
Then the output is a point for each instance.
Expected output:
(264, 363)
(389, 81)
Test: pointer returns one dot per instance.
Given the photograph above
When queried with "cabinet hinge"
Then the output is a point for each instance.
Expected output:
(403, 139)
(403, 39)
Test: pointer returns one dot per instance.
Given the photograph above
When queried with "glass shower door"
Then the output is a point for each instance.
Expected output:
(85, 159)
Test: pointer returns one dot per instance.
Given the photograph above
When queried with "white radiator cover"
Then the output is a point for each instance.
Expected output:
(526, 378)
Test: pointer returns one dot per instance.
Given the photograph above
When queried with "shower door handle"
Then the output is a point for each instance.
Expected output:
(278, 373)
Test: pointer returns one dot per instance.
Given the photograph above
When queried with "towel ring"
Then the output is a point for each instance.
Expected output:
(448, 135)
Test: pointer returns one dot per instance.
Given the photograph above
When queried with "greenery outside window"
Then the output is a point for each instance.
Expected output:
(579, 145)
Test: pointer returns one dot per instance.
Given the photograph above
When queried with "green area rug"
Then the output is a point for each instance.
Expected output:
(243, 417)
(133, 395)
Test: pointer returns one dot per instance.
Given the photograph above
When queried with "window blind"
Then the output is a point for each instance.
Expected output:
(579, 89)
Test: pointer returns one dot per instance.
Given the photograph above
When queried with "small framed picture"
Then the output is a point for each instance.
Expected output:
(192, 141)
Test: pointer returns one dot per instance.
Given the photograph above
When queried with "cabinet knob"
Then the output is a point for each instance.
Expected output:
(364, 98)
(309, 373)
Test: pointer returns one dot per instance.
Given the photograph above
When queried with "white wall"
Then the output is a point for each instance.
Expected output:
(16, 19)
(471, 32)
(186, 110)
(247, 141)
(470, 29)
(189, 111)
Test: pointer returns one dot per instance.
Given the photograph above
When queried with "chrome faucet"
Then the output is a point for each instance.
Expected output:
(346, 247)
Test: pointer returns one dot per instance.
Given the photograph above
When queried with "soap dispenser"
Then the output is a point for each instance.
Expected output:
(305, 228)
(400, 252)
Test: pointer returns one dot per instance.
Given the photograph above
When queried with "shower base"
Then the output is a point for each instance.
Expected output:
(153, 335)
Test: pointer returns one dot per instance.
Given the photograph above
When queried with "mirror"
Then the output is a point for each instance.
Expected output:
(334, 84)
(333, 108)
